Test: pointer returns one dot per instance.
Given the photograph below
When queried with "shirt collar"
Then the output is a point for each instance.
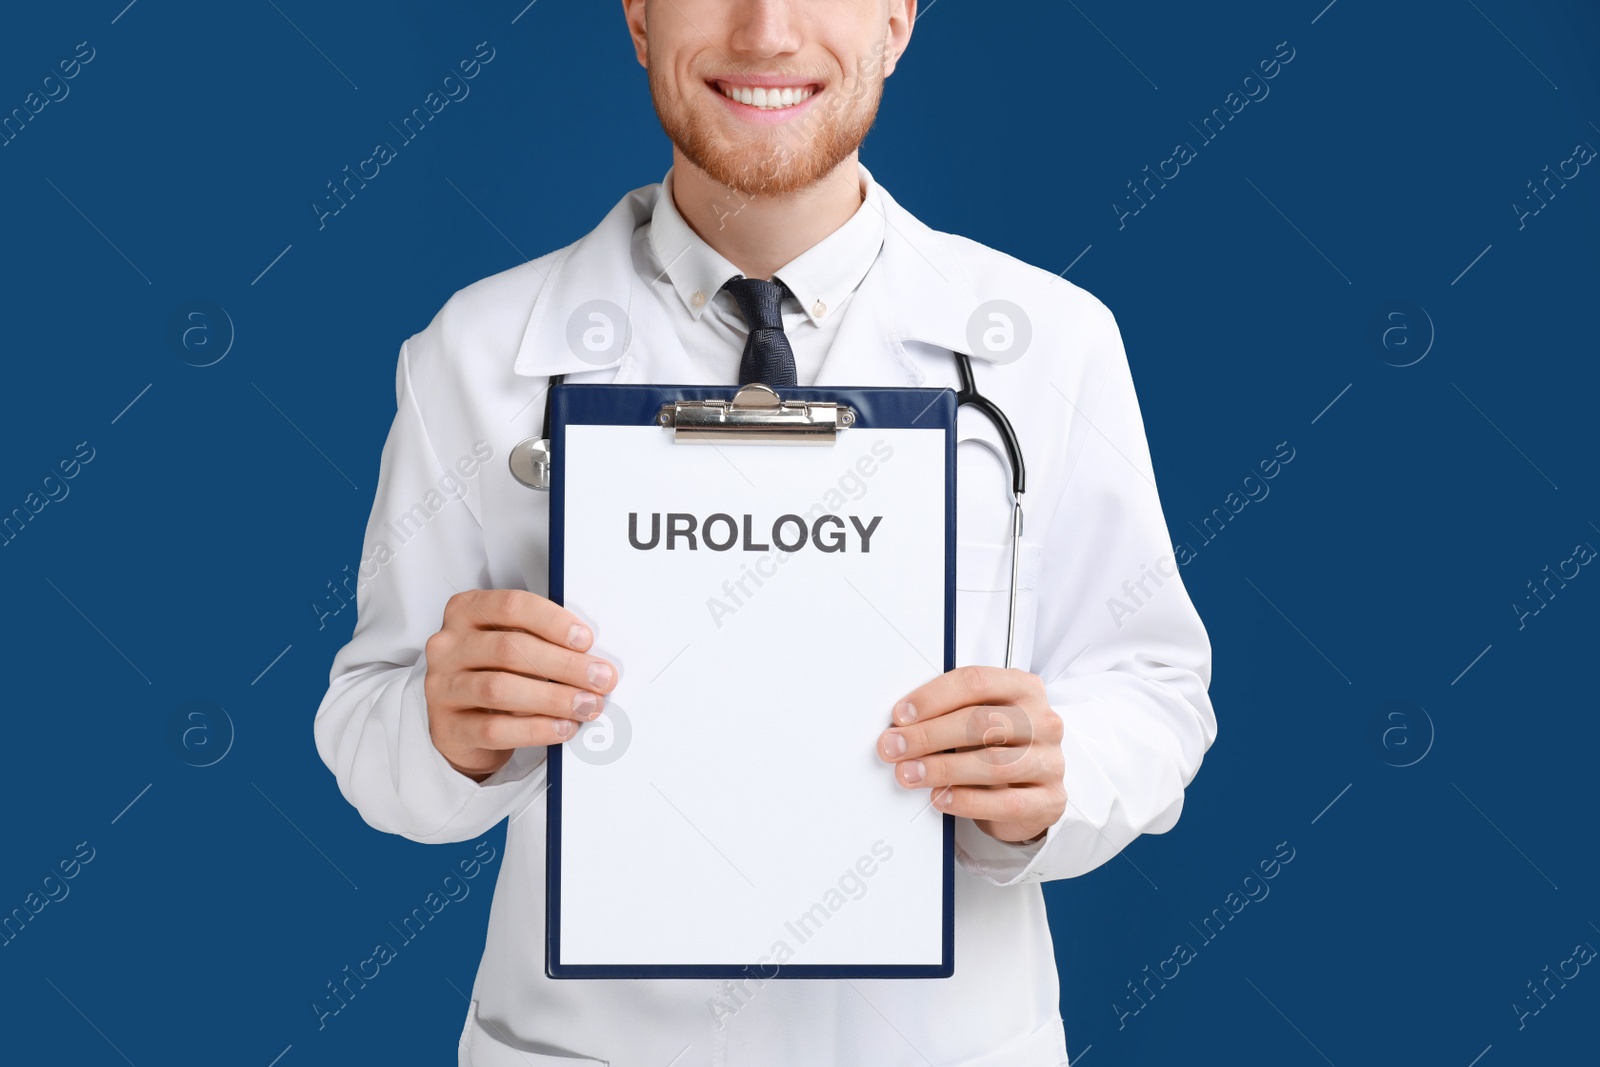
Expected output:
(820, 277)
(926, 271)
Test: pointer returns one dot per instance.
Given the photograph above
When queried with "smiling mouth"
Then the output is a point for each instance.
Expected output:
(766, 98)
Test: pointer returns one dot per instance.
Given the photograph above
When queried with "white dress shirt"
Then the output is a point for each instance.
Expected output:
(687, 274)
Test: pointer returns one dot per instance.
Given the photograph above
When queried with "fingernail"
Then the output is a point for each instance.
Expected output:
(600, 673)
(564, 727)
(905, 712)
(579, 636)
(894, 745)
(585, 705)
(942, 797)
(914, 771)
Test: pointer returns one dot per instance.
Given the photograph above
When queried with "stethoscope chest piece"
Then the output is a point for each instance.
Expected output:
(530, 463)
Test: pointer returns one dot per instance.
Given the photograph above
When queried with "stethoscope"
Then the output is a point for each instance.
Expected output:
(530, 465)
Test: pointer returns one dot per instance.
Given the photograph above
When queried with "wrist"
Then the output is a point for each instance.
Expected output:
(1035, 839)
(477, 774)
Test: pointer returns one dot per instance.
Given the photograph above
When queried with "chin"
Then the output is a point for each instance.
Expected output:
(763, 160)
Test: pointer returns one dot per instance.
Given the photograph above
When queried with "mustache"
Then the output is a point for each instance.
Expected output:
(713, 71)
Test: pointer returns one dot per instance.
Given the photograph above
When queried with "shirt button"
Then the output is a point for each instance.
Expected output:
(819, 309)
(698, 299)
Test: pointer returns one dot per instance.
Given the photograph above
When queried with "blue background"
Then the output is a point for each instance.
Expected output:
(1429, 759)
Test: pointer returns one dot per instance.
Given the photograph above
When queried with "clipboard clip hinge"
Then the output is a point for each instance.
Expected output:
(756, 414)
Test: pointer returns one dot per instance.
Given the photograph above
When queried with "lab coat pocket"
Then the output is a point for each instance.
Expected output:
(983, 599)
(488, 1046)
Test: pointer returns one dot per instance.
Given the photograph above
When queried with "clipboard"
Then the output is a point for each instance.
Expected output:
(769, 574)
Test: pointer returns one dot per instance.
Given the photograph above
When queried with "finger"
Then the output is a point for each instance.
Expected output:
(967, 728)
(962, 688)
(520, 653)
(517, 694)
(498, 733)
(518, 609)
(1003, 804)
(1000, 765)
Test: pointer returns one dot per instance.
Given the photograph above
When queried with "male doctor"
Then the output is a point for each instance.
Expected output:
(768, 253)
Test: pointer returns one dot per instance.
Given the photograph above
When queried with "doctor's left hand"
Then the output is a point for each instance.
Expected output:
(988, 743)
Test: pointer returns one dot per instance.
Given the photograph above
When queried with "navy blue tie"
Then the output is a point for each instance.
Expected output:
(767, 358)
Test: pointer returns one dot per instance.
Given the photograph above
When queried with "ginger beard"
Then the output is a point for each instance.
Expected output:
(770, 160)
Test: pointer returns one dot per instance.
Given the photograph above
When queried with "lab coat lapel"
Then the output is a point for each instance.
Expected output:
(915, 291)
(599, 268)
(867, 349)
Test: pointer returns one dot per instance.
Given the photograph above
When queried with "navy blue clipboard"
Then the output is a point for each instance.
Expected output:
(638, 405)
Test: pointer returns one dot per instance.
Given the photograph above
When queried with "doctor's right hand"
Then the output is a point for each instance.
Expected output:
(507, 670)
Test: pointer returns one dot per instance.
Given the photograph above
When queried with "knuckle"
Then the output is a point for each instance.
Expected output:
(572, 666)
(437, 646)
(493, 689)
(464, 606)
(1009, 765)
(1051, 726)
(523, 604)
(556, 699)
(508, 646)
(996, 727)
(493, 732)
(992, 726)
(528, 608)
(1013, 804)
(972, 678)
(495, 602)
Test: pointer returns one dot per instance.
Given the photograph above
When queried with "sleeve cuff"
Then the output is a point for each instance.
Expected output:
(472, 805)
(995, 861)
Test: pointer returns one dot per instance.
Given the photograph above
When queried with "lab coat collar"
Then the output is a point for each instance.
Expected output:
(932, 300)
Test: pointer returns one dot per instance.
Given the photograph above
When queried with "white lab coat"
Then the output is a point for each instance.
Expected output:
(1130, 682)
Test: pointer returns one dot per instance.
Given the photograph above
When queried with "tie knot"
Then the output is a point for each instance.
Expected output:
(760, 302)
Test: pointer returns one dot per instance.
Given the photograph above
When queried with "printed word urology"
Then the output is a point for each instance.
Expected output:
(455, 90)
(1185, 152)
(721, 532)
(54, 88)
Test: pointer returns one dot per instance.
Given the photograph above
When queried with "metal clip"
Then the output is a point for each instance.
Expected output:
(756, 414)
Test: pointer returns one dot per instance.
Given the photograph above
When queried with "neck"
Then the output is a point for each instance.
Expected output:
(759, 234)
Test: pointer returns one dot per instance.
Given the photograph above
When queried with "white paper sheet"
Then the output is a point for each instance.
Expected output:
(730, 806)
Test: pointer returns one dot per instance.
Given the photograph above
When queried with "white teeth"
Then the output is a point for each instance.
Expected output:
(767, 99)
